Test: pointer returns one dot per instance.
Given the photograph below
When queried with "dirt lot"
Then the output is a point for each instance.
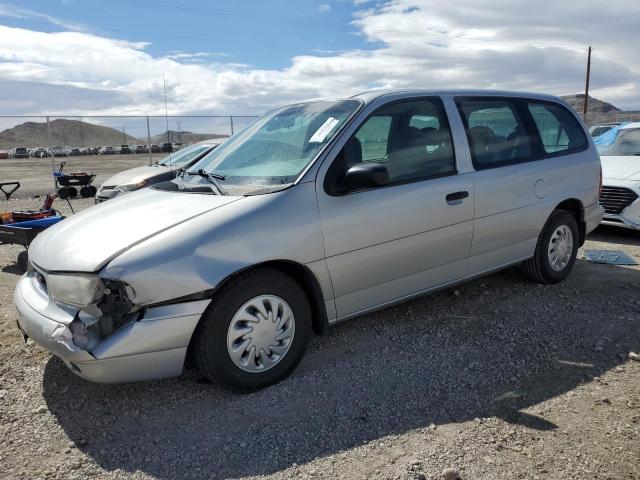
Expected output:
(35, 174)
(498, 379)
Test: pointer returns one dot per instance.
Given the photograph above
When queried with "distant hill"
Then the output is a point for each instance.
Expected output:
(74, 133)
(594, 105)
(184, 137)
(63, 132)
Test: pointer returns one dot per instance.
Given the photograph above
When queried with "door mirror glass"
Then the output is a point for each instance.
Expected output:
(366, 175)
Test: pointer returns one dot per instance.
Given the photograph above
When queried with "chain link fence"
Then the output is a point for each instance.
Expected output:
(615, 117)
(33, 148)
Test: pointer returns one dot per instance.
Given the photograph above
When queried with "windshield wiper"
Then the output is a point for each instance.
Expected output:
(212, 178)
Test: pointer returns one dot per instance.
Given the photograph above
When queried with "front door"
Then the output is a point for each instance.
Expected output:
(386, 243)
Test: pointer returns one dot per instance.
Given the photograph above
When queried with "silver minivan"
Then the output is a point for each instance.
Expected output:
(315, 213)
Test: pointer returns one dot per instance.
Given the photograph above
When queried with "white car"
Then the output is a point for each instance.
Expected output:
(620, 158)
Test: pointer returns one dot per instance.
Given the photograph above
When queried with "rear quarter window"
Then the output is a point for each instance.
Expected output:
(559, 130)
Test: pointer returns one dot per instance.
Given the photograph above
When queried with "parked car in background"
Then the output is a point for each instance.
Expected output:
(124, 149)
(40, 153)
(155, 148)
(167, 147)
(4, 154)
(106, 150)
(620, 156)
(306, 218)
(165, 169)
(59, 151)
(142, 149)
(177, 146)
(597, 130)
(20, 152)
(74, 152)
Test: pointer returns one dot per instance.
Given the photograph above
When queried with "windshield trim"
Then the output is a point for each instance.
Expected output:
(338, 133)
(335, 136)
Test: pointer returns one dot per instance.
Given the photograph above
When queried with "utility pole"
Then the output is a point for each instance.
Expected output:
(586, 87)
(124, 137)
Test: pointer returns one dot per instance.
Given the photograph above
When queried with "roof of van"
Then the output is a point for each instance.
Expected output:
(373, 94)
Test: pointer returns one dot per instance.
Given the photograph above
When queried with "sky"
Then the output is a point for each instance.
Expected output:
(243, 57)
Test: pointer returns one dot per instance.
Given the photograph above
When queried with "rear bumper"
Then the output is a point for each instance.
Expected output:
(152, 347)
(592, 217)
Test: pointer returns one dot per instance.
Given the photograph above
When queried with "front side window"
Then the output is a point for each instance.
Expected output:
(558, 128)
(274, 150)
(495, 131)
(412, 139)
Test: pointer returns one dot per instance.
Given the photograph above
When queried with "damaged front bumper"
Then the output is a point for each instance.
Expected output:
(151, 346)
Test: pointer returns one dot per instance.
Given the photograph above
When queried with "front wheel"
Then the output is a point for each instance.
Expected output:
(556, 249)
(254, 332)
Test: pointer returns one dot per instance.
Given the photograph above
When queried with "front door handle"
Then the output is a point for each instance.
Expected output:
(452, 197)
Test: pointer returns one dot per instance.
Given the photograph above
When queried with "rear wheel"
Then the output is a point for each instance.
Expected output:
(86, 192)
(254, 332)
(556, 249)
(63, 193)
(73, 192)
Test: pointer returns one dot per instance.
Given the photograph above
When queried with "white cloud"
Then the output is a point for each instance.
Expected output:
(11, 11)
(195, 57)
(417, 44)
(324, 8)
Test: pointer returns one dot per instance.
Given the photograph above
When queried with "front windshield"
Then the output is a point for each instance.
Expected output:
(184, 156)
(276, 148)
(627, 142)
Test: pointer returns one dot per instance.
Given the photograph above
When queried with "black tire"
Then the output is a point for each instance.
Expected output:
(538, 268)
(86, 192)
(93, 189)
(23, 261)
(73, 192)
(63, 193)
(210, 339)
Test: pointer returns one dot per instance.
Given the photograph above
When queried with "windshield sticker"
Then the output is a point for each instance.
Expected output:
(324, 130)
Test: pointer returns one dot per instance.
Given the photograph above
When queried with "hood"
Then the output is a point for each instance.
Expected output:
(86, 241)
(136, 175)
(621, 168)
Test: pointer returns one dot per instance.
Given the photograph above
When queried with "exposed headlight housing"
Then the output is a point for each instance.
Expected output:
(78, 290)
(130, 187)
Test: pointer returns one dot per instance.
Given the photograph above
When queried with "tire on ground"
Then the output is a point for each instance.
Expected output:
(538, 268)
(210, 339)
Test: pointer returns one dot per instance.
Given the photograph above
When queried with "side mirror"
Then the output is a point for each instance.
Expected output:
(366, 175)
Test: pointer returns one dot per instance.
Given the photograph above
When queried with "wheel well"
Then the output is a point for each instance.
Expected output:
(574, 207)
(309, 283)
(305, 278)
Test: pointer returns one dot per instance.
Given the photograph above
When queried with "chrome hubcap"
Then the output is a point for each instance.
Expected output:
(260, 333)
(560, 248)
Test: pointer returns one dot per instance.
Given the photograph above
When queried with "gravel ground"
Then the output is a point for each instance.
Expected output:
(499, 378)
(35, 174)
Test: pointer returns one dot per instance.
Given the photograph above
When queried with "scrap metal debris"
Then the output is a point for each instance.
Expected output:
(610, 257)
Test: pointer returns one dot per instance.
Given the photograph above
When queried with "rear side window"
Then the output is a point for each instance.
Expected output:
(496, 132)
(559, 130)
